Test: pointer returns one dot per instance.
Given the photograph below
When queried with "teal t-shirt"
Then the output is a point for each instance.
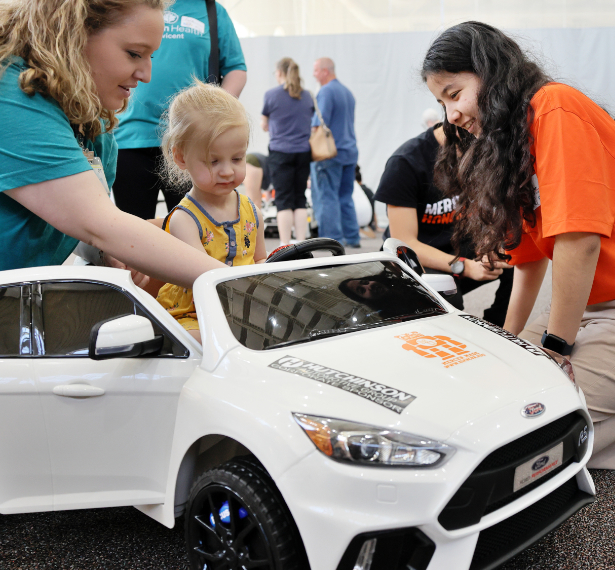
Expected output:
(184, 53)
(37, 143)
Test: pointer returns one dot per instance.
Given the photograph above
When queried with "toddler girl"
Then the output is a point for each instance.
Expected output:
(205, 143)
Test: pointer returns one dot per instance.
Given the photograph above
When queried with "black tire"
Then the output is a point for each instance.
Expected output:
(257, 532)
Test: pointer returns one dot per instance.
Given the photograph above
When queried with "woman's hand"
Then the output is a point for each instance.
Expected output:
(492, 260)
(138, 278)
(480, 271)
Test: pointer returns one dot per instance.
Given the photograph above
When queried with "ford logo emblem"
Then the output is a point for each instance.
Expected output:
(533, 410)
(540, 463)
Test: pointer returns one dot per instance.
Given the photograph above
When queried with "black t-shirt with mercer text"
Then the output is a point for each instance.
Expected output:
(407, 181)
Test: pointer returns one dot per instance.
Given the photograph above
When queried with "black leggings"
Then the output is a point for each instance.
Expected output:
(137, 182)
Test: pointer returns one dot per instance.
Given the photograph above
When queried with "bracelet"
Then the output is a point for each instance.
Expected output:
(463, 260)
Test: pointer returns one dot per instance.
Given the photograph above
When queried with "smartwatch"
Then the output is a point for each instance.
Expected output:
(457, 267)
(556, 344)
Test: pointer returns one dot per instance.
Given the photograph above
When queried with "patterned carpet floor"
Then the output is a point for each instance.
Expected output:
(121, 538)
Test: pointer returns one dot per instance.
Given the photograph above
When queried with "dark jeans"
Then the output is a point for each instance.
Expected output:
(289, 173)
(137, 182)
(495, 314)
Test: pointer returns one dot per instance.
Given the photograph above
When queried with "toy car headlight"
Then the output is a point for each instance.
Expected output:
(562, 363)
(369, 445)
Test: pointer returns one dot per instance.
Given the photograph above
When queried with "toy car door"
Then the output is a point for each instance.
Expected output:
(25, 473)
(109, 422)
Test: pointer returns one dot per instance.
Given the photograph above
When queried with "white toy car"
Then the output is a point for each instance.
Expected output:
(340, 415)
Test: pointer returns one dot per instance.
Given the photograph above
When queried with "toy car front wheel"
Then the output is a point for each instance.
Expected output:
(236, 518)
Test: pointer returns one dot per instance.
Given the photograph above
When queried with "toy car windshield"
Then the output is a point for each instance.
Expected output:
(289, 307)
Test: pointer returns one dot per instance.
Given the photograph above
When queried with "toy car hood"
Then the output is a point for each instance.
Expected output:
(434, 375)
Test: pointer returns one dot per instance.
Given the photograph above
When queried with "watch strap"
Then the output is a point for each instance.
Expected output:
(455, 262)
(556, 343)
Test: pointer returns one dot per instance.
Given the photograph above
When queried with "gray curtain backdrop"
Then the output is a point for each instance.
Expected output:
(382, 71)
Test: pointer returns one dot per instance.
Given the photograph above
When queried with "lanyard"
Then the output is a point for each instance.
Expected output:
(94, 162)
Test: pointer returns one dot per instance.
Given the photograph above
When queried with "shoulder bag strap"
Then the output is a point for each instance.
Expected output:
(214, 55)
(322, 121)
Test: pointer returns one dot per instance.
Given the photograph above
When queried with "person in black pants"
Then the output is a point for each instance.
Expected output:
(138, 182)
(423, 218)
(287, 115)
(180, 58)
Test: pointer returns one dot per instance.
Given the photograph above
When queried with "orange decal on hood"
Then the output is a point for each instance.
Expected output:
(452, 352)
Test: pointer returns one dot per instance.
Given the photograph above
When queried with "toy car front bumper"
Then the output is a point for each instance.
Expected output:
(340, 507)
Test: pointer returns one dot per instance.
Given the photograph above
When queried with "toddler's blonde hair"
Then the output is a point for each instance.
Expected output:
(198, 115)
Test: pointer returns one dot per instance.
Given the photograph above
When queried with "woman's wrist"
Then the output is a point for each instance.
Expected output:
(556, 343)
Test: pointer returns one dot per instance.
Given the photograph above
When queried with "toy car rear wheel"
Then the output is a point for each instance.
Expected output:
(236, 518)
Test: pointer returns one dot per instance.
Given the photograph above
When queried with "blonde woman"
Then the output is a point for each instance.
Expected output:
(287, 115)
(67, 67)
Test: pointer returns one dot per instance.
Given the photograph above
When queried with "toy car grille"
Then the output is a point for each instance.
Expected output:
(506, 539)
(491, 486)
(529, 444)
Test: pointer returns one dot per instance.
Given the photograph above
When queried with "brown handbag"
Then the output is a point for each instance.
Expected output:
(321, 140)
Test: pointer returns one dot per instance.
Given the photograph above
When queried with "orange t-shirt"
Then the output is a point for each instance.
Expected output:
(574, 146)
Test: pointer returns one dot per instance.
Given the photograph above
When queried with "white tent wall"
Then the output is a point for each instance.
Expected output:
(382, 71)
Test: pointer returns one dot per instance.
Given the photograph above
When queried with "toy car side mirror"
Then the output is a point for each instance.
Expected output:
(442, 283)
(405, 253)
(126, 336)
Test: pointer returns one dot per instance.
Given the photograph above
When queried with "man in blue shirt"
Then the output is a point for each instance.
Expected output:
(183, 54)
(333, 179)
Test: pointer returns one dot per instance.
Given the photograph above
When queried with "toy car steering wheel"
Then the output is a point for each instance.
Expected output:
(304, 249)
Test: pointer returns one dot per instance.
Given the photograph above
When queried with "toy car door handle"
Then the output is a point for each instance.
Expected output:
(78, 391)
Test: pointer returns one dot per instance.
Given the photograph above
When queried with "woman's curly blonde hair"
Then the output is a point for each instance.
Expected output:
(51, 36)
(198, 115)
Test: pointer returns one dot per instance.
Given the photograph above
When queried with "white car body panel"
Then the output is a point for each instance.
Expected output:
(109, 450)
(127, 445)
(26, 476)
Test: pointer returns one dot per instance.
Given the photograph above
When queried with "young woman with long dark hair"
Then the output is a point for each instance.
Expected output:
(533, 164)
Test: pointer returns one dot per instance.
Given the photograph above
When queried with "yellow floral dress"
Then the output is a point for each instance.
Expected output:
(232, 242)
